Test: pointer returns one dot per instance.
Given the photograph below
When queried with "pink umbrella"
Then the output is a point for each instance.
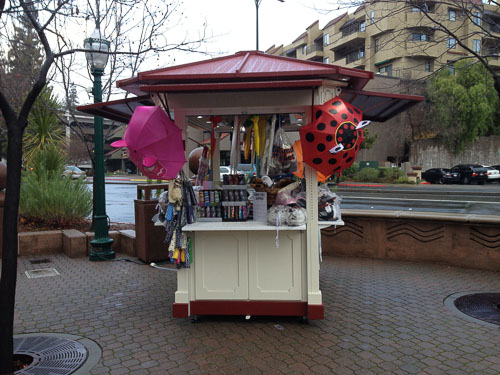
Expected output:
(154, 143)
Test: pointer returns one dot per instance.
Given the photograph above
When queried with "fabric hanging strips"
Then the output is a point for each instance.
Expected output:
(215, 121)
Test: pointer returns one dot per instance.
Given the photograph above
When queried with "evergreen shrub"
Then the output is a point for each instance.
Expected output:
(48, 197)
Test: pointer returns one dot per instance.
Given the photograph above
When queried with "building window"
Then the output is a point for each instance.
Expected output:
(451, 43)
(377, 44)
(451, 68)
(387, 70)
(326, 60)
(326, 39)
(420, 37)
(362, 26)
(304, 49)
(372, 17)
(428, 66)
(477, 18)
(452, 15)
(476, 45)
(361, 53)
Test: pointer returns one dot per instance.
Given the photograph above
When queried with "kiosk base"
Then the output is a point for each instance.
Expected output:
(263, 308)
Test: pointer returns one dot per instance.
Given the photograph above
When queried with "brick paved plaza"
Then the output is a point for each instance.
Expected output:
(381, 317)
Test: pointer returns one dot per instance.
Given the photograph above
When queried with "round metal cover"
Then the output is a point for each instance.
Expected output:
(482, 306)
(51, 355)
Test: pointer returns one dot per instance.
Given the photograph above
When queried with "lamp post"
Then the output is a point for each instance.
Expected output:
(97, 60)
(257, 4)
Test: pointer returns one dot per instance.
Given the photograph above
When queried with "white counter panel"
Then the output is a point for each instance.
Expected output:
(276, 273)
(221, 265)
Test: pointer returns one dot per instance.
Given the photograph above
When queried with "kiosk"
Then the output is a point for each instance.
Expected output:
(237, 268)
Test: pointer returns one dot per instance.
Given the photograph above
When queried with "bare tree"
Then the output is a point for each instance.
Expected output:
(469, 29)
(138, 30)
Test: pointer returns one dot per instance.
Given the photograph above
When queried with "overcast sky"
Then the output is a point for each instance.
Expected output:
(232, 23)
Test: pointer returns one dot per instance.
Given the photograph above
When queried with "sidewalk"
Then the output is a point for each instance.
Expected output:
(381, 317)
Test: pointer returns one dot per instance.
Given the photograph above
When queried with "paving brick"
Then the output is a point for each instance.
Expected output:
(382, 317)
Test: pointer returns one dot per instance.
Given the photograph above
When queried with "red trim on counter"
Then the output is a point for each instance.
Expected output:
(270, 308)
(180, 310)
(316, 312)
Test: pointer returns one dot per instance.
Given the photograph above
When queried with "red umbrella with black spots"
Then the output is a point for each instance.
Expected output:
(330, 143)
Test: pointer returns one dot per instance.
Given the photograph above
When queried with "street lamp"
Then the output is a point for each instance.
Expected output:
(97, 60)
(257, 4)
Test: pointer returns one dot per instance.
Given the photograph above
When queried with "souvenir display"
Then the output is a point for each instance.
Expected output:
(154, 143)
(330, 143)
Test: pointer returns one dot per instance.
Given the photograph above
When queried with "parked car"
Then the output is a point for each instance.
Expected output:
(493, 174)
(73, 172)
(471, 173)
(440, 176)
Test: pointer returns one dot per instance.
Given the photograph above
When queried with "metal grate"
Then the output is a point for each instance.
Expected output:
(42, 272)
(40, 261)
(482, 306)
(51, 355)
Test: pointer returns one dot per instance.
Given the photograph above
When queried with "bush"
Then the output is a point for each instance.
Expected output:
(403, 180)
(48, 197)
(367, 175)
(351, 171)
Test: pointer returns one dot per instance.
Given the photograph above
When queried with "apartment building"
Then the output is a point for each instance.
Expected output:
(403, 39)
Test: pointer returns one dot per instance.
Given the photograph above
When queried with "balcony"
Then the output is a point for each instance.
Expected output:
(356, 38)
(314, 52)
(383, 25)
(419, 19)
(423, 48)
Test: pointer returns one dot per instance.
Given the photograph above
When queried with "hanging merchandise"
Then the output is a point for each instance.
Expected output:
(330, 143)
(297, 147)
(154, 143)
(203, 167)
(248, 142)
(283, 159)
(262, 135)
(235, 145)
(215, 121)
(268, 148)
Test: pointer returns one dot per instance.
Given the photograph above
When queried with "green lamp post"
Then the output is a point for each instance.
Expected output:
(97, 60)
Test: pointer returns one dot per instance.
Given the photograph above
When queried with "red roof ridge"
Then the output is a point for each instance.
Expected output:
(312, 24)
(304, 34)
(335, 20)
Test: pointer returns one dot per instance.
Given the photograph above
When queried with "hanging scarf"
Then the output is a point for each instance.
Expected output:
(215, 120)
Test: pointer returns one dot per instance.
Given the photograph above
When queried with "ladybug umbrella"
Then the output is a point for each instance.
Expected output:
(330, 143)
(297, 147)
(154, 143)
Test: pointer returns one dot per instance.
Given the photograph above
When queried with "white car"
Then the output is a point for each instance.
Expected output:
(493, 174)
(73, 172)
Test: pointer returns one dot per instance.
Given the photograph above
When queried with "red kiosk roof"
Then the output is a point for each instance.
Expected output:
(248, 69)
(252, 70)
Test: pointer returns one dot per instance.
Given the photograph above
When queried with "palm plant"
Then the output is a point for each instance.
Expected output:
(44, 127)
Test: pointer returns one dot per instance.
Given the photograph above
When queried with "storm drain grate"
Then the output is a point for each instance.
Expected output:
(40, 261)
(51, 355)
(482, 306)
(42, 272)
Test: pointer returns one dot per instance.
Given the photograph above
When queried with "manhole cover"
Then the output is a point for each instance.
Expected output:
(51, 355)
(482, 306)
(42, 272)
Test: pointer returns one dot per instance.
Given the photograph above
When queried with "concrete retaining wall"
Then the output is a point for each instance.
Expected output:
(471, 241)
(71, 242)
(430, 154)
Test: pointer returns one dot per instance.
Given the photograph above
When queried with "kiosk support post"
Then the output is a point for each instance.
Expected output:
(315, 307)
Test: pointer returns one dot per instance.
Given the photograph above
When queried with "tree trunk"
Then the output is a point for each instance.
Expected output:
(9, 257)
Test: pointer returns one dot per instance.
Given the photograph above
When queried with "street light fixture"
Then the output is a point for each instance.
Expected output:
(97, 60)
(257, 4)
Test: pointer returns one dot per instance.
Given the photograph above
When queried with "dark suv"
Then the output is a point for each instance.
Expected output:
(471, 173)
